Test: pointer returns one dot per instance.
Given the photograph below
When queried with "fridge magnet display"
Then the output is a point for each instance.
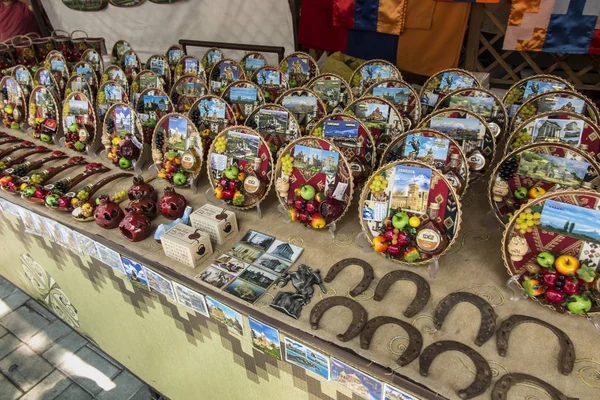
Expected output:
(43, 77)
(299, 68)
(433, 148)
(146, 79)
(535, 169)
(222, 74)
(470, 131)
(85, 69)
(550, 260)
(225, 315)
(251, 62)
(93, 57)
(240, 167)
(177, 150)
(272, 82)
(243, 97)
(86, 5)
(358, 382)
(410, 213)
(276, 125)
(306, 106)
(13, 103)
(442, 83)
(313, 182)
(122, 136)
(109, 93)
(215, 277)
(130, 64)
(211, 58)
(125, 3)
(229, 264)
(305, 357)
(480, 101)
(114, 73)
(353, 139)
(160, 66)
(186, 91)
(160, 284)
(57, 65)
(173, 55)
(78, 83)
(333, 90)
(190, 65)
(190, 298)
(529, 87)
(265, 338)
(258, 276)
(24, 78)
(404, 98)
(151, 106)
(244, 291)
(135, 272)
(210, 115)
(78, 122)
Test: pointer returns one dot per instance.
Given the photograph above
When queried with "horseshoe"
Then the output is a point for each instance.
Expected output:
(488, 316)
(368, 274)
(566, 356)
(359, 315)
(483, 377)
(415, 339)
(423, 291)
(503, 385)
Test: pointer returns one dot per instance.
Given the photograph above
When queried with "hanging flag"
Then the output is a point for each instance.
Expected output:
(383, 16)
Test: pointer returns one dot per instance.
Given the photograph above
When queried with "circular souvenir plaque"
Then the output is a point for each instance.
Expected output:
(85, 69)
(241, 167)
(211, 57)
(122, 136)
(210, 115)
(87, 5)
(313, 182)
(119, 48)
(371, 72)
(13, 102)
(114, 73)
(109, 93)
(306, 106)
(189, 65)
(442, 83)
(130, 64)
(299, 68)
(533, 170)
(275, 124)
(554, 259)
(222, 74)
(186, 91)
(272, 82)
(557, 101)
(146, 79)
(431, 147)
(94, 58)
(252, 61)
(177, 149)
(44, 114)
(174, 54)
(353, 139)
(243, 97)
(43, 77)
(480, 101)
(159, 65)
(333, 90)
(24, 78)
(529, 87)
(78, 121)
(409, 212)
(78, 83)
(470, 131)
(55, 62)
(404, 98)
(151, 106)
(125, 3)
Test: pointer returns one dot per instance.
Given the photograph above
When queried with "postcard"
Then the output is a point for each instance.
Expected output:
(135, 272)
(272, 121)
(86, 72)
(77, 86)
(57, 65)
(395, 95)
(300, 104)
(265, 338)
(242, 146)
(22, 76)
(78, 107)
(68, 241)
(451, 81)
(328, 89)
(376, 72)
(174, 55)
(244, 291)
(410, 191)
(148, 81)
(245, 253)
(190, 66)
(110, 257)
(212, 109)
(272, 263)
(159, 283)
(571, 220)
(257, 239)
(243, 95)
(566, 130)
(375, 210)
(177, 131)
(45, 77)
(535, 87)
(316, 160)
(225, 315)
(87, 245)
(483, 106)
(30, 221)
(285, 250)
(297, 65)
(215, 277)
(559, 170)
(341, 131)
(157, 65)
(252, 64)
(113, 93)
(374, 113)
(52, 229)
(258, 277)
(122, 116)
(422, 147)
(391, 393)
(303, 356)
(156, 103)
(556, 103)
(213, 56)
(218, 162)
(130, 60)
(358, 382)
(459, 128)
(229, 264)
(229, 71)
(268, 78)
(191, 299)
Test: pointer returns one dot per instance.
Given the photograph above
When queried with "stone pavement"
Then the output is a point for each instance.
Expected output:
(42, 358)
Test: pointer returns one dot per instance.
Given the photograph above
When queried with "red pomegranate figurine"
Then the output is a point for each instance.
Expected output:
(172, 205)
(141, 187)
(108, 214)
(135, 227)
(143, 205)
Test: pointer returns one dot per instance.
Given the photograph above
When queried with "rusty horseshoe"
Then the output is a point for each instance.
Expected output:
(359, 315)
(503, 385)
(368, 273)
(423, 290)
(415, 339)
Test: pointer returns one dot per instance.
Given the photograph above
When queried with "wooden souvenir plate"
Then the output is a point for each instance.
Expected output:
(115, 73)
(211, 57)
(222, 74)
(11, 94)
(86, 5)
(122, 136)
(78, 83)
(130, 64)
(159, 64)
(434, 148)
(272, 82)
(299, 68)
(24, 78)
(275, 124)
(404, 98)
(210, 115)
(176, 136)
(252, 61)
(316, 163)
(189, 65)
(125, 3)
(109, 93)
(57, 65)
(545, 167)
(353, 139)
(550, 214)
(470, 131)
(78, 122)
(408, 187)
(333, 90)
(442, 83)
(85, 69)
(306, 106)
(44, 114)
(146, 79)
(243, 149)
(529, 87)
(174, 54)
(371, 72)
(43, 77)
(94, 58)
(555, 100)
(480, 101)
(152, 105)
(186, 91)
(243, 97)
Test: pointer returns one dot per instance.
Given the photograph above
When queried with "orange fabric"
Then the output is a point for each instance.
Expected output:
(519, 8)
(536, 43)
(391, 17)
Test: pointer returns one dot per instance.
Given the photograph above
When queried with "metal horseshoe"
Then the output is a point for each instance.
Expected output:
(488, 316)
(368, 274)
(415, 339)
(359, 315)
(423, 290)
(503, 385)
(483, 376)
(566, 356)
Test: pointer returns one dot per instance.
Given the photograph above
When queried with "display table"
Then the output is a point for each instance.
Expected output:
(186, 355)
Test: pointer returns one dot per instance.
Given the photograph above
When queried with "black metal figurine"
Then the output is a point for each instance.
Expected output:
(303, 280)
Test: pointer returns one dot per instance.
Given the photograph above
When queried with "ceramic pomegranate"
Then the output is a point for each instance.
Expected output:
(135, 227)
(143, 205)
(172, 205)
(108, 214)
(140, 186)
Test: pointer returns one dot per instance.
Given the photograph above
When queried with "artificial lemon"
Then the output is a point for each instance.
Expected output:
(414, 222)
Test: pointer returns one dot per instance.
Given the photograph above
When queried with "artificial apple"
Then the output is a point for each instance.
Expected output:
(545, 259)
(566, 264)
(124, 163)
(311, 206)
(303, 216)
(402, 239)
(394, 250)
(238, 199)
(387, 222)
(293, 214)
(549, 278)
(320, 196)
(179, 179)
(307, 192)
(520, 192)
(579, 304)
(44, 137)
(223, 182)
(400, 220)
(231, 172)
(39, 194)
(219, 192)
(571, 286)
(533, 287)
(170, 155)
(536, 192)
(379, 244)
(228, 194)
(232, 184)
(73, 127)
(79, 146)
(28, 192)
(411, 254)
(317, 221)
(298, 204)
(586, 273)
(63, 202)
(388, 235)
(554, 296)
(14, 125)
(52, 200)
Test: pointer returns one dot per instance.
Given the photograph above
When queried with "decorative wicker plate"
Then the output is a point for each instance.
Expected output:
(109, 93)
(44, 114)
(529, 87)
(79, 122)
(94, 58)
(442, 83)
(115, 73)
(276, 125)
(43, 77)
(272, 82)
(131, 65)
(185, 91)
(151, 106)
(252, 61)
(24, 78)
(189, 65)
(211, 57)
(145, 79)
(243, 97)
(222, 74)
(371, 72)
(86, 5)
(333, 90)
(118, 49)
(55, 63)
(122, 136)
(174, 54)
(299, 68)
(404, 98)
(78, 83)
(159, 64)
(306, 106)
(12, 94)
(85, 69)
(210, 115)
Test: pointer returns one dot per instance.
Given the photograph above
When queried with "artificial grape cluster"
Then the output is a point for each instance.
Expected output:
(110, 125)
(508, 169)
(434, 83)
(378, 184)
(159, 139)
(194, 115)
(521, 139)
(175, 97)
(36, 179)
(220, 145)
(514, 95)
(287, 164)
(527, 110)
(117, 196)
(318, 131)
(527, 220)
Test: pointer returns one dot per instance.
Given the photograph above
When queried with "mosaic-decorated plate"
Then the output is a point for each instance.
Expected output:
(370, 73)
(299, 68)
(243, 97)
(86, 5)
(333, 90)
(404, 98)
(442, 83)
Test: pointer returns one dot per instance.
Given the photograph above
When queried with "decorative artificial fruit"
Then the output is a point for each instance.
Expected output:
(566, 265)
(231, 172)
(549, 278)
(307, 192)
(379, 244)
(179, 179)
(535, 192)
(293, 214)
(411, 254)
(533, 287)
(394, 250)
(579, 304)
(320, 197)
(124, 163)
(571, 286)
(545, 259)
(414, 222)
(400, 220)
(317, 221)
(520, 193)
(554, 296)
(586, 273)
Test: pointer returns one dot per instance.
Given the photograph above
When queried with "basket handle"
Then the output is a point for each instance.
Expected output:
(33, 35)
(59, 30)
(20, 37)
(79, 30)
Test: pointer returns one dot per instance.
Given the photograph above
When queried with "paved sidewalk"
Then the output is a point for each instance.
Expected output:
(42, 358)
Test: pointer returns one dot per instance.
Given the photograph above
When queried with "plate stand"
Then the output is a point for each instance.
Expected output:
(517, 292)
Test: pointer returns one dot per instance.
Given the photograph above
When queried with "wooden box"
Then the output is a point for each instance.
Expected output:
(218, 223)
(186, 244)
